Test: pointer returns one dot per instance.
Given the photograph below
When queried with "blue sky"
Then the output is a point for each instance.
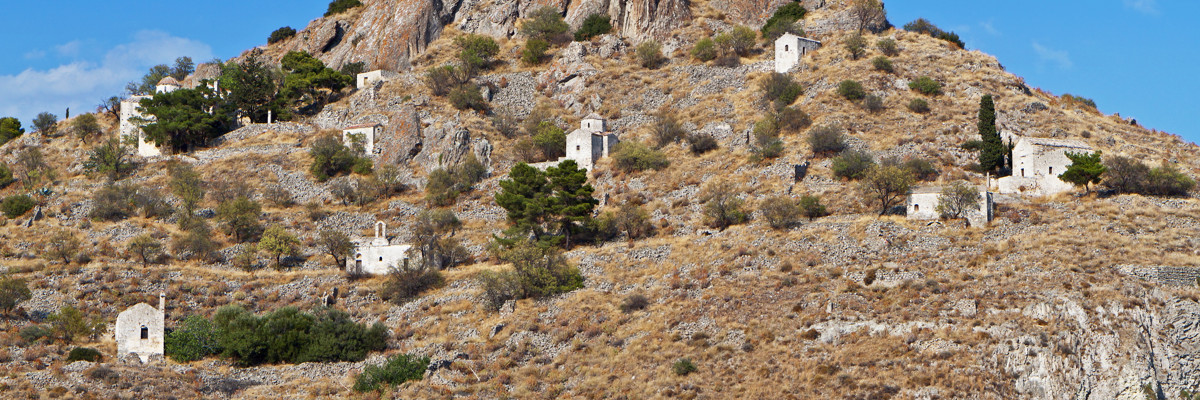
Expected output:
(1135, 57)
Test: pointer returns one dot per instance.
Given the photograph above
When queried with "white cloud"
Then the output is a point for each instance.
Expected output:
(989, 28)
(81, 84)
(1046, 55)
(69, 49)
(35, 54)
(1149, 7)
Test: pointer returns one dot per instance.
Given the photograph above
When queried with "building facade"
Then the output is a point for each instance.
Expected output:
(1036, 165)
(140, 330)
(377, 256)
(789, 49)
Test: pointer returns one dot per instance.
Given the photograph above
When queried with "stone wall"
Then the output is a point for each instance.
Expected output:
(1162, 274)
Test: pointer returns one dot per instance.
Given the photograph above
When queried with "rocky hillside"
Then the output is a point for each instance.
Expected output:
(1074, 296)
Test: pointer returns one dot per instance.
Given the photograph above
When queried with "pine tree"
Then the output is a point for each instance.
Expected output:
(1085, 169)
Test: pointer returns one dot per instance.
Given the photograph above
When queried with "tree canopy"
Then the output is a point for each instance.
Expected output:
(181, 118)
(308, 84)
(1085, 170)
(549, 207)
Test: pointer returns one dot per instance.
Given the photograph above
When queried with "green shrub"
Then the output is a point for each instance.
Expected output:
(919, 106)
(738, 41)
(785, 16)
(281, 34)
(441, 80)
(704, 50)
(110, 159)
(683, 367)
(398, 369)
(722, 206)
(635, 156)
(338, 6)
(882, 63)
(780, 89)
(33, 333)
(468, 97)
(701, 143)
(873, 104)
(953, 39)
(649, 54)
(826, 139)
(888, 47)
(353, 69)
(856, 45)
(538, 271)
(1078, 100)
(6, 176)
(926, 85)
(113, 202)
(551, 140)
(544, 23)
(852, 164)
(534, 51)
(851, 90)
(83, 354)
(330, 158)
(793, 119)
(289, 335)
(594, 25)
(922, 25)
(476, 52)
(13, 291)
(781, 212)
(767, 144)
(666, 128)
(811, 207)
(16, 205)
(921, 168)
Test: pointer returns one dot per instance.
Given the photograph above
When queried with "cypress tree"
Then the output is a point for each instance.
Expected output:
(991, 155)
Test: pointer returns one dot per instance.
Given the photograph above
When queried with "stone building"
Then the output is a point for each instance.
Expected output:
(140, 330)
(1037, 163)
(923, 205)
(590, 142)
(378, 255)
(131, 112)
(367, 134)
(167, 85)
(789, 49)
(374, 77)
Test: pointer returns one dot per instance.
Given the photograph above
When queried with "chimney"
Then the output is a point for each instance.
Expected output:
(162, 301)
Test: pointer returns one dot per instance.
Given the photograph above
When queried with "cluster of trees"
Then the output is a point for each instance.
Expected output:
(722, 208)
(147, 84)
(725, 49)
(476, 53)
(331, 158)
(284, 336)
(444, 185)
(188, 118)
(66, 325)
(1126, 175)
(10, 128)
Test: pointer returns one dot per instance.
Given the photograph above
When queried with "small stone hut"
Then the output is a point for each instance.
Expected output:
(789, 49)
(923, 205)
(378, 255)
(140, 330)
(590, 142)
(370, 78)
(1037, 163)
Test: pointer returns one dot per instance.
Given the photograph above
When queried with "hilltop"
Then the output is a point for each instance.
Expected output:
(1068, 296)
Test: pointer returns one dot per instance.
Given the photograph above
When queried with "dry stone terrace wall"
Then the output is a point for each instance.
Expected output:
(1166, 275)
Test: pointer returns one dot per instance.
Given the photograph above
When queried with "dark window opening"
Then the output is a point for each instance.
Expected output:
(1051, 170)
(785, 47)
(145, 333)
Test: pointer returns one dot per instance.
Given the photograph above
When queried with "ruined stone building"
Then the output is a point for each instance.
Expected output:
(364, 134)
(378, 255)
(923, 205)
(1036, 165)
(789, 49)
(131, 114)
(140, 330)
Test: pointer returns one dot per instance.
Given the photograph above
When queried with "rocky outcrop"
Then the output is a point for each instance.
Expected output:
(386, 34)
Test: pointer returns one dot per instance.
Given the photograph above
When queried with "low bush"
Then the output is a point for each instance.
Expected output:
(856, 45)
(683, 367)
(882, 63)
(634, 302)
(1128, 175)
(873, 104)
(783, 20)
(852, 164)
(398, 369)
(83, 354)
(537, 272)
(851, 90)
(445, 185)
(767, 144)
(339, 6)
(887, 47)
(780, 89)
(793, 119)
(666, 128)
(926, 86)
(441, 80)
(922, 25)
(630, 220)
(811, 207)
(534, 51)
(281, 34)
(634, 157)
(16, 205)
(6, 176)
(331, 158)
(701, 143)
(649, 54)
(781, 212)
(468, 97)
(826, 139)
(704, 50)
(406, 284)
(722, 207)
(919, 106)
(32, 333)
